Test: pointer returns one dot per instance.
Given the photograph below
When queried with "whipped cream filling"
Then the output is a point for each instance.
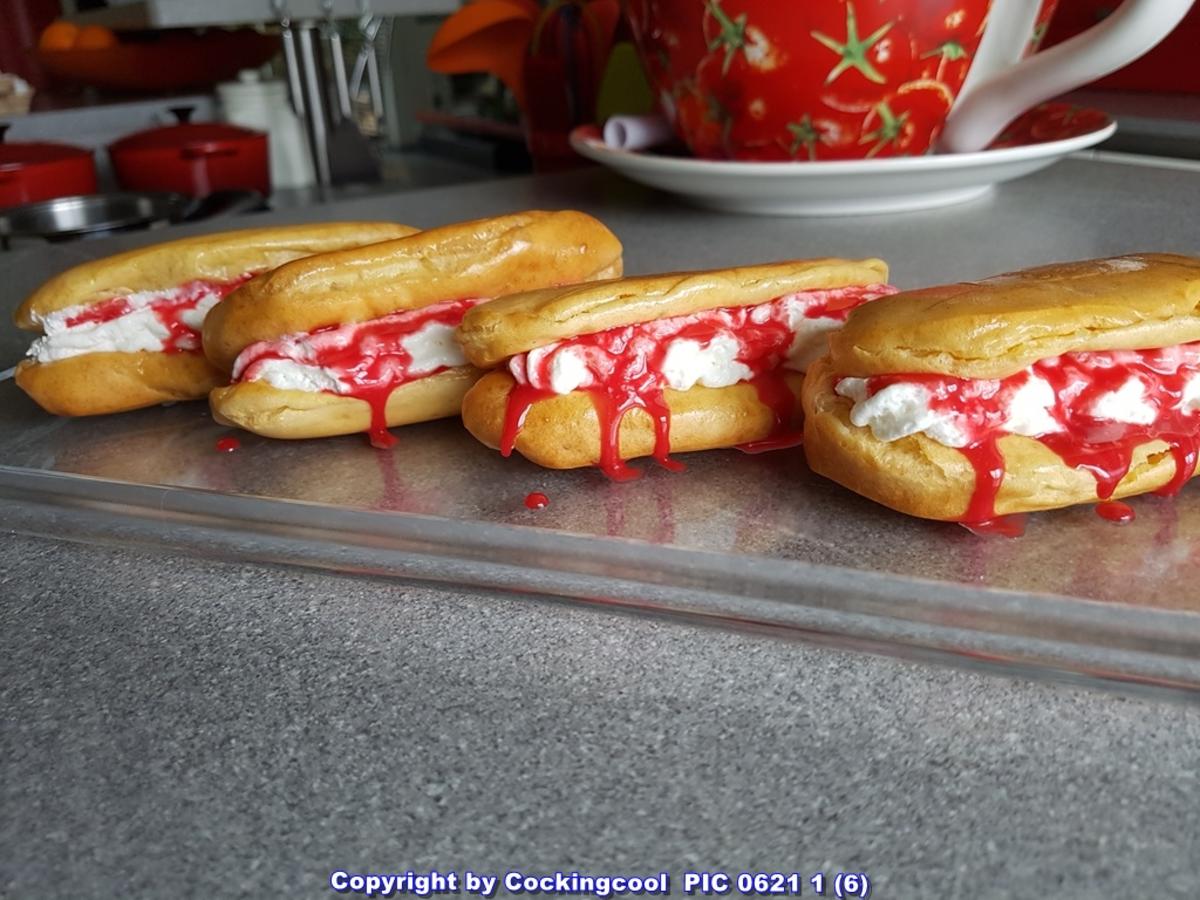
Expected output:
(141, 329)
(431, 347)
(715, 348)
(899, 410)
(146, 322)
(1126, 404)
(688, 363)
(288, 375)
(346, 359)
(1091, 394)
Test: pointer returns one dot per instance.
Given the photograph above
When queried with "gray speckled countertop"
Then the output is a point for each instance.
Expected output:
(183, 727)
(176, 727)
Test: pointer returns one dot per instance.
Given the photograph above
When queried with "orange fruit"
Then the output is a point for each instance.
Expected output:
(95, 37)
(59, 35)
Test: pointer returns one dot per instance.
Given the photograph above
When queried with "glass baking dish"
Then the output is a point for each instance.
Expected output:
(736, 540)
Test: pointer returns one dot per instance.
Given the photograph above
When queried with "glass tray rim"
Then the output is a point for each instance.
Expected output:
(1043, 635)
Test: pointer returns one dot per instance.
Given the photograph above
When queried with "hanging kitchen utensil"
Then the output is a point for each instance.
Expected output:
(337, 61)
(374, 82)
(350, 156)
(367, 64)
(366, 67)
(291, 62)
(317, 132)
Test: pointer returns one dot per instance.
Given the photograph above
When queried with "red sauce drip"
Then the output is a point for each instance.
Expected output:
(536, 500)
(228, 444)
(1001, 526)
(625, 369)
(181, 337)
(774, 393)
(1115, 511)
(1184, 449)
(1083, 440)
(104, 311)
(520, 400)
(611, 407)
(368, 359)
(612, 401)
(376, 398)
(988, 463)
(1106, 449)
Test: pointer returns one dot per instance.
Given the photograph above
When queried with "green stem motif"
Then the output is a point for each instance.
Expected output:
(853, 52)
(950, 50)
(890, 128)
(732, 36)
(804, 134)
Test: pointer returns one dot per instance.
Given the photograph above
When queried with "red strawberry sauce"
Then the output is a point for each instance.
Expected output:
(1103, 447)
(168, 309)
(1115, 511)
(368, 359)
(625, 367)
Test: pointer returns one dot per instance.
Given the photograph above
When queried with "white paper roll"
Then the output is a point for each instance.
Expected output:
(636, 132)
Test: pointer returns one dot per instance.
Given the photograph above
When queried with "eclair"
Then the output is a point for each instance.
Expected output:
(362, 340)
(123, 332)
(598, 374)
(1070, 383)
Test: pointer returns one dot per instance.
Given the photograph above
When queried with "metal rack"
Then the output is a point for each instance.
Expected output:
(144, 14)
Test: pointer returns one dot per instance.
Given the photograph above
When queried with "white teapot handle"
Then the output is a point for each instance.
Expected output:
(1001, 85)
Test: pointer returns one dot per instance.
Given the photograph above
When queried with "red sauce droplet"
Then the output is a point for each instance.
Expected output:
(1115, 511)
(625, 369)
(228, 444)
(1002, 526)
(536, 500)
(369, 359)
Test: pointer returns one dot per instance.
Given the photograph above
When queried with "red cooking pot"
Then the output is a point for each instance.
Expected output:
(40, 171)
(193, 158)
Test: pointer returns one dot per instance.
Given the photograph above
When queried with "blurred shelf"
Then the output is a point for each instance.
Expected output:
(149, 14)
(474, 140)
(477, 125)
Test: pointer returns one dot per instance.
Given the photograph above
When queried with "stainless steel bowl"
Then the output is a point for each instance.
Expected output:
(67, 218)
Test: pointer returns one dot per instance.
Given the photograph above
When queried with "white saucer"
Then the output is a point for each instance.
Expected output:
(835, 188)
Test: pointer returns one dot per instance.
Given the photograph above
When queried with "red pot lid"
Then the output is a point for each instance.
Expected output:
(191, 135)
(18, 155)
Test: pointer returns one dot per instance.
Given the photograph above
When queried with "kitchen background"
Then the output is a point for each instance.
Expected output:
(159, 94)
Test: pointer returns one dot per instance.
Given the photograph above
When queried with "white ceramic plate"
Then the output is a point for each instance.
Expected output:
(837, 188)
